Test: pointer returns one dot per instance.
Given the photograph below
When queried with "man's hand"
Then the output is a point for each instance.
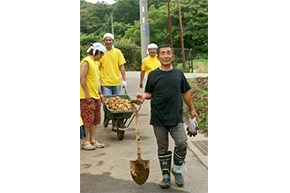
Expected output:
(88, 98)
(124, 83)
(141, 85)
(102, 98)
(193, 114)
(140, 97)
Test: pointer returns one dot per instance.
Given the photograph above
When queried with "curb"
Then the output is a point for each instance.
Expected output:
(201, 157)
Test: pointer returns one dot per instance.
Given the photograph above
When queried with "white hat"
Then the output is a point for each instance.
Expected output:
(152, 45)
(97, 46)
(108, 35)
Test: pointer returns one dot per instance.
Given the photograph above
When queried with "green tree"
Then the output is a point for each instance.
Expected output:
(94, 18)
(158, 28)
(89, 39)
(195, 21)
(126, 11)
(120, 28)
(96, 21)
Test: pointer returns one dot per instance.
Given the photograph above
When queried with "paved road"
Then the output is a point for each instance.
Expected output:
(108, 169)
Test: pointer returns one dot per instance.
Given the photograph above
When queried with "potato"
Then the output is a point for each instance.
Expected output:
(118, 104)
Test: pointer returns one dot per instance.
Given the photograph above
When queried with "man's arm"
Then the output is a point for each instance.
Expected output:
(83, 72)
(187, 99)
(142, 97)
(141, 79)
(122, 70)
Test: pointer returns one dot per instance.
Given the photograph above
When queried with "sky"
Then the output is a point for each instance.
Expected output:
(106, 1)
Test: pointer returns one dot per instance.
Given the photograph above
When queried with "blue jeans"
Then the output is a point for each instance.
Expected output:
(177, 133)
(111, 90)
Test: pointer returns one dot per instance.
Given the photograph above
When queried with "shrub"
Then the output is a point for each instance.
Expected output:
(89, 39)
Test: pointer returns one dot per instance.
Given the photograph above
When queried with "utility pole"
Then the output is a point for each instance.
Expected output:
(181, 35)
(112, 24)
(169, 21)
(144, 26)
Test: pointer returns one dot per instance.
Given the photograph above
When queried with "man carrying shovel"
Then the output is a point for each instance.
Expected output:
(165, 86)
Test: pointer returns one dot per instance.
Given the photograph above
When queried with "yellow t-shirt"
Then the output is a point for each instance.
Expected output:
(109, 67)
(92, 79)
(150, 63)
(81, 123)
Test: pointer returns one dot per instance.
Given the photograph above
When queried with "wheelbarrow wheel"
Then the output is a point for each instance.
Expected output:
(120, 133)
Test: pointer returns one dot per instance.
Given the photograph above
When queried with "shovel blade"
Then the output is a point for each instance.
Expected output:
(139, 170)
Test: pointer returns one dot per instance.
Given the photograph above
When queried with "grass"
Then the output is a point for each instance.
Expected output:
(199, 65)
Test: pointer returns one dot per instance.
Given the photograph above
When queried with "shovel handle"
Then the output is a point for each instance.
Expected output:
(138, 102)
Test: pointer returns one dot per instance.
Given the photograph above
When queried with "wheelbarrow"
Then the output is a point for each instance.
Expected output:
(119, 118)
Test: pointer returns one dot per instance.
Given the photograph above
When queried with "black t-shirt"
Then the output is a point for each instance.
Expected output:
(166, 88)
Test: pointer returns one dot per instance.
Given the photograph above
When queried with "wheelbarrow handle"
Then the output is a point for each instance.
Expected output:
(125, 88)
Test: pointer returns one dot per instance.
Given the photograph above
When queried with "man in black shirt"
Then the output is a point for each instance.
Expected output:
(165, 86)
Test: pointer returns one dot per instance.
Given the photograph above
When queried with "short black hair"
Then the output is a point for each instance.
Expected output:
(165, 46)
(91, 52)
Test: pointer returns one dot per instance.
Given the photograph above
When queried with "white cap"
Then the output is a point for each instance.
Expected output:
(152, 45)
(108, 35)
(97, 46)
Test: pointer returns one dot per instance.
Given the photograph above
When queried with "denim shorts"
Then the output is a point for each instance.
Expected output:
(111, 90)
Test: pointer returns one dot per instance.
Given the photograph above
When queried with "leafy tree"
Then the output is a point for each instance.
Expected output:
(94, 17)
(158, 24)
(195, 20)
(96, 21)
(126, 11)
(133, 33)
(120, 28)
(89, 39)
(156, 3)
(158, 29)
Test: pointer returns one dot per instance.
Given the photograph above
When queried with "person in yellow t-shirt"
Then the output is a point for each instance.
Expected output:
(111, 65)
(149, 63)
(90, 95)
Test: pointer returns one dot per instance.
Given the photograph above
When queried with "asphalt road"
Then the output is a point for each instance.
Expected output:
(108, 169)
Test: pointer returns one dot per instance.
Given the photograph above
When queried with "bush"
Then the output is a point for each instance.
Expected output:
(201, 56)
(130, 52)
(89, 39)
(137, 60)
(83, 52)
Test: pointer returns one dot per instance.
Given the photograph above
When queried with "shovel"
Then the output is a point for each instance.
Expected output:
(140, 168)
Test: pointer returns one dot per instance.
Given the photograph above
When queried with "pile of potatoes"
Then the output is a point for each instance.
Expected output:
(118, 104)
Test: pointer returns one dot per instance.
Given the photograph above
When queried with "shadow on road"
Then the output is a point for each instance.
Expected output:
(106, 184)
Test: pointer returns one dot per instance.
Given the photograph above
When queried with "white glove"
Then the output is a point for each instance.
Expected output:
(192, 127)
(124, 83)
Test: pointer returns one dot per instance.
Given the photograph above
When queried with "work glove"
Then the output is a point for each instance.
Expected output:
(124, 83)
(192, 127)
